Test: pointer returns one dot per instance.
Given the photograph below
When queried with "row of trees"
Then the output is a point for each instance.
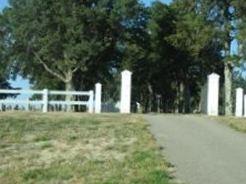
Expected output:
(170, 48)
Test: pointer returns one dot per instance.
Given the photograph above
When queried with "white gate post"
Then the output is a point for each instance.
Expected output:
(213, 95)
(239, 102)
(245, 106)
(125, 100)
(91, 102)
(98, 98)
(45, 100)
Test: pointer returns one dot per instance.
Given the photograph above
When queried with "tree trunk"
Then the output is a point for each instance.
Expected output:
(203, 99)
(158, 103)
(187, 99)
(228, 78)
(176, 100)
(228, 89)
(69, 87)
(181, 97)
(150, 98)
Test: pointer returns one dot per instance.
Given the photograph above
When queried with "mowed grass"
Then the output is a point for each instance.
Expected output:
(78, 148)
(238, 124)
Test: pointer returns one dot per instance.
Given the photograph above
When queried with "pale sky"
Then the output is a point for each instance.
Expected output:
(3, 3)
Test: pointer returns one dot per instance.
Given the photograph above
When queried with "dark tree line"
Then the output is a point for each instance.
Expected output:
(170, 49)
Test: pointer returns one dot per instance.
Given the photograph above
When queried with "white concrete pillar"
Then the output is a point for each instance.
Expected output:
(213, 95)
(126, 85)
(98, 98)
(245, 106)
(45, 100)
(239, 102)
(91, 102)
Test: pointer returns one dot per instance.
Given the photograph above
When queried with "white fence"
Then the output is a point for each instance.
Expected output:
(45, 102)
(91, 104)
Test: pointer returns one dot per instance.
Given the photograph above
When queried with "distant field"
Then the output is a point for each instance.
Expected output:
(238, 124)
(78, 148)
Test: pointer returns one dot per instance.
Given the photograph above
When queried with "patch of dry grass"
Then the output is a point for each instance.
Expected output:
(238, 124)
(78, 148)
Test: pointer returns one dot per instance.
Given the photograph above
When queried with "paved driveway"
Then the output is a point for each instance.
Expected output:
(203, 151)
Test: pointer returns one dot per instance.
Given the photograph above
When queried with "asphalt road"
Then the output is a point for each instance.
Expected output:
(202, 151)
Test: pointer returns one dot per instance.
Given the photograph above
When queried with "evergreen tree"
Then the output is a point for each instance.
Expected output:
(5, 69)
(198, 52)
(64, 37)
(226, 20)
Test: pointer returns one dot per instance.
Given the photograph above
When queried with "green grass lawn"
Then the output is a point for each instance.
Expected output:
(238, 124)
(78, 148)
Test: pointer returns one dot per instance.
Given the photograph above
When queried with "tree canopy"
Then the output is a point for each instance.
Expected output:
(64, 37)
